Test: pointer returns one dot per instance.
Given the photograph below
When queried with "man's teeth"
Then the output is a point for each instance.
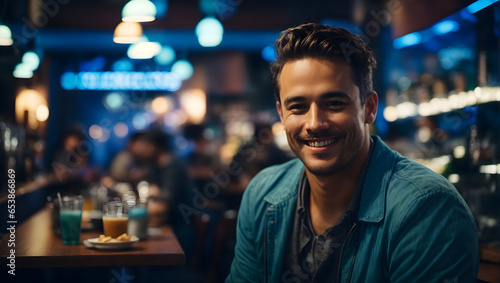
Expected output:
(321, 143)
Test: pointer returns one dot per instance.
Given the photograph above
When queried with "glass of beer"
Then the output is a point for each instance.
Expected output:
(114, 219)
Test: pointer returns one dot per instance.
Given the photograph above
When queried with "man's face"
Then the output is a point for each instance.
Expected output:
(320, 108)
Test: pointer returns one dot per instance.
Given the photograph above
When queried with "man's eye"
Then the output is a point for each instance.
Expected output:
(297, 107)
(335, 103)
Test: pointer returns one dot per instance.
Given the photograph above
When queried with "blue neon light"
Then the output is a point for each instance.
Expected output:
(407, 40)
(479, 5)
(120, 81)
(445, 27)
(269, 53)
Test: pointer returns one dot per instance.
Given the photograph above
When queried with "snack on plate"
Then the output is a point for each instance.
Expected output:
(122, 237)
(104, 239)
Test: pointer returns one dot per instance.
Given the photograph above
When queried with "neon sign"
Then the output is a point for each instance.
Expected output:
(166, 81)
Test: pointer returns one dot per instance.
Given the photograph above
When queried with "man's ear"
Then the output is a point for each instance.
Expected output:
(371, 105)
(280, 111)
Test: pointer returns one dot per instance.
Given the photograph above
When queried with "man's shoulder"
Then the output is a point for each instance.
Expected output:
(422, 178)
(290, 167)
(414, 186)
(276, 181)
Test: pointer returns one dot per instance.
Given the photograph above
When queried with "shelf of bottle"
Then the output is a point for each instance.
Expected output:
(437, 106)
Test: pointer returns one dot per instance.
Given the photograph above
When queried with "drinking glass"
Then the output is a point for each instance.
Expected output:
(114, 219)
(70, 215)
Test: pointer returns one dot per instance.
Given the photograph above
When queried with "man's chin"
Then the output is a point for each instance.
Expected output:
(321, 169)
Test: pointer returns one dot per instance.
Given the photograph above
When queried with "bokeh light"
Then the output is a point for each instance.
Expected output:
(209, 32)
(166, 56)
(140, 121)
(161, 105)
(120, 130)
(113, 101)
(269, 53)
(31, 60)
(143, 50)
(194, 104)
(22, 71)
(183, 69)
(95, 132)
(42, 113)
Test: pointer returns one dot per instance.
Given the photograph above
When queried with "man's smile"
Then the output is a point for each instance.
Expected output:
(321, 143)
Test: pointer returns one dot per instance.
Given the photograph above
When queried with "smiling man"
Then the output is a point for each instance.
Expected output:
(348, 209)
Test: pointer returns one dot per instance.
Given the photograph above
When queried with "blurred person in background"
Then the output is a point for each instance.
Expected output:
(70, 161)
(202, 164)
(253, 156)
(169, 186)
(134, 163)
(348, 209)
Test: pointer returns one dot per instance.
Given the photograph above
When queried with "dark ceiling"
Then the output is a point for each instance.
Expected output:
(181, 14)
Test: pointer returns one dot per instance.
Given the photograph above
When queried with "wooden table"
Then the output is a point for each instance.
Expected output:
(37, 246)
(489, 267)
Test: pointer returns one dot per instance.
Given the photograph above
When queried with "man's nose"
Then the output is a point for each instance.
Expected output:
(316, 119)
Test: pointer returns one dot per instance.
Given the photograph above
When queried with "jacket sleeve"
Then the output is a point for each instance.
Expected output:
(244, 267)
(435, 241)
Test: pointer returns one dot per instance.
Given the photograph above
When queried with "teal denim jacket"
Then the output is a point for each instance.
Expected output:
(412, 226)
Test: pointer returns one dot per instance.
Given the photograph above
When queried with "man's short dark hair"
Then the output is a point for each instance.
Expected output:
(328, 43)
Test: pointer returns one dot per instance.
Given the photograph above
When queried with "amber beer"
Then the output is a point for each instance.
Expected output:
(114, 226)
(114, 219)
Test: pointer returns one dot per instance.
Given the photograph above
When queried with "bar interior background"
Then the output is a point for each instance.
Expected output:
(66, 63)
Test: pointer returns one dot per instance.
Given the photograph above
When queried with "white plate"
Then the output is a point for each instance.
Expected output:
(115, 245)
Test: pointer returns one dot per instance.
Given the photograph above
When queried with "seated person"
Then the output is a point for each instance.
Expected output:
(348, 209)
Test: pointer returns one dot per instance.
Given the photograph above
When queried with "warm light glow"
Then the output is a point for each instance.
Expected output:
(424, 134)
(183, 69)
(459, 152)
(42, 113)
(471, 98)
(139, 11)
(161, 105)
(143, 50)
(454, 178)
(95, 132)
(390, 114)
(120, 129)
(443, 105)
(489, 169)
(127, 32)
(209, 32)
(194, 104)
(277, 128)
(5, 36)
(406, 109)
(29, 100)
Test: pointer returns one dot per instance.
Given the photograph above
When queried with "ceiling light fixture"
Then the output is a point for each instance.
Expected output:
(5, 36)
(139, 11)
(127, 33)
(143, 50)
